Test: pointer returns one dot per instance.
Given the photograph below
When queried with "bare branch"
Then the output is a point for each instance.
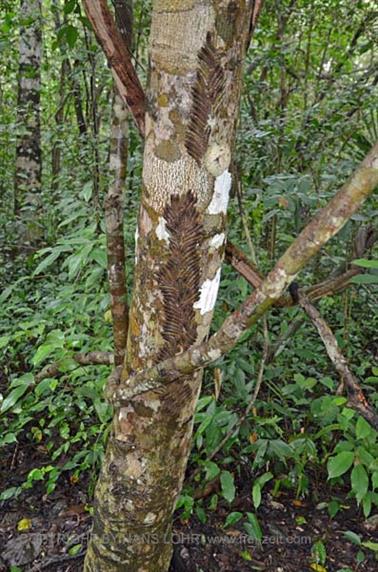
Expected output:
(313, 237)
(119, 58)
(245, 267)
(89, 358)
(356, 397)
(364, 240)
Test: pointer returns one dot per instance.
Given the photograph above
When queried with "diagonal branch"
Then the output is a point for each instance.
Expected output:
(356, 397)
(119, 58)
(364, 240)
(89, 358)
(313, 237)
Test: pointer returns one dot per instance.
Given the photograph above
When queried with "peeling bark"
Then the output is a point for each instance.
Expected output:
(119, 58)
(28, 152)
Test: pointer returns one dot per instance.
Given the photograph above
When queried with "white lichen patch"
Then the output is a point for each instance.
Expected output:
(208, 294)
(161, 230)
(136, 236)
(154, 404)
(115, 162)
(217, 240)
(222, 187)
(150, 518)
(214, 354)
(274, 289)
(217, 158)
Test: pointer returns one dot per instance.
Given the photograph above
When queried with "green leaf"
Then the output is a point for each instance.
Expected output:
(363, 428)
(371, 545)
(253, 527)
(75, 549)
(71, 35)
(228, 486)
(48, 261)
(42, 353)
(256, 495)
(100, 257)
(87, 191)
(13, 397)
(364, 279)
(8, 439)
(338, 465)
(232, 518)
(352, 537)
(4, 341)
(360, 482)
(365, 263)
(212, 470)
(318, 552)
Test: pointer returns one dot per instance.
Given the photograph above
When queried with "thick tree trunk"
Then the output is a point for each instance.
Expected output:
(197, 48)
(28, 154)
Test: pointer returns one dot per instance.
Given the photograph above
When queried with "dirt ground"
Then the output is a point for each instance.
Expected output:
(57, 528)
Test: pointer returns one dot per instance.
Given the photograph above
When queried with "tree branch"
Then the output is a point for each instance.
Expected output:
(89, 358)
(313, 237)
(356, 397)
(318, 232)
(364, 240)
(119, 58)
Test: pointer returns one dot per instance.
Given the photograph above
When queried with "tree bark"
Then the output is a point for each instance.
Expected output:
(114, 199)
(197, 50)
(28, 152)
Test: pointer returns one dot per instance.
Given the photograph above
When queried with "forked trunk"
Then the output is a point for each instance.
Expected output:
(197, 49)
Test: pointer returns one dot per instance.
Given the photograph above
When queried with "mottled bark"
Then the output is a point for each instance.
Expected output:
(356, 397)
(28, 152)
(114, 200)
(313, 237)
(197, 48)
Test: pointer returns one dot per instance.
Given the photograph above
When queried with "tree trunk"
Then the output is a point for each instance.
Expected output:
(197, 50)
(28, 153)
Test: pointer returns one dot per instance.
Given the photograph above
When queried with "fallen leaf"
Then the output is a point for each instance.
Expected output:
(24, 524)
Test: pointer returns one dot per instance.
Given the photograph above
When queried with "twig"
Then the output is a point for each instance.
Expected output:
(356, 397)
(89, 358)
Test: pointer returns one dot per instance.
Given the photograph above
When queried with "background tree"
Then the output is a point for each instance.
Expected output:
(28, 176)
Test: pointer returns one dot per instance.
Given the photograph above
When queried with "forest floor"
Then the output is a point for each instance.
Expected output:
(57, 527)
